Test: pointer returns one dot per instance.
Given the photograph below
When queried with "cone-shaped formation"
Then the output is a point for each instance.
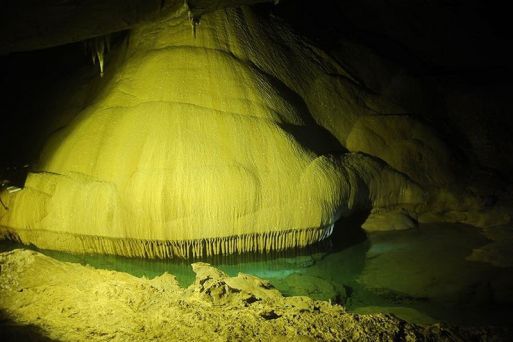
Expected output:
(98, 47)
(189, 151)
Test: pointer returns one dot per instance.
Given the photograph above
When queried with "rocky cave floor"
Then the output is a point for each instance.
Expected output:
(42, 298)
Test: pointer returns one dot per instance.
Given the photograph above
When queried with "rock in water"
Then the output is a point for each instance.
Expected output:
(190, 150)
(51, 300)
(205, 144)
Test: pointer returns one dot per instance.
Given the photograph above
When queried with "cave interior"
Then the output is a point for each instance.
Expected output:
(353, 152)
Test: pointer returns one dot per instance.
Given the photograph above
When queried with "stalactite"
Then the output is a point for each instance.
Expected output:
(261, 243)
(97, 48)
(193, 19)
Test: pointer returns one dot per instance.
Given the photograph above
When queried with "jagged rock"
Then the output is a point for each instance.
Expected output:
(214, 285)
(47, 299)
(314, 287)
(405, 313)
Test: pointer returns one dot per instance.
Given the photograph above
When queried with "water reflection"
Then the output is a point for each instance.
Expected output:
(421, 275)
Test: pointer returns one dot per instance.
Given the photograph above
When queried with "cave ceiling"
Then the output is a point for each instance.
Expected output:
(31, 25)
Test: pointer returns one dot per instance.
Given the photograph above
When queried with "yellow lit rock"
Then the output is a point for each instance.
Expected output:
(197, 146)
(189, 143)
(83, 303)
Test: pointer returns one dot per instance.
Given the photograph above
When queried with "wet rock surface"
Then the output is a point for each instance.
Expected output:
(44, 299)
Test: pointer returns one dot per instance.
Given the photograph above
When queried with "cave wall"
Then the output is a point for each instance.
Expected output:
(295, 122)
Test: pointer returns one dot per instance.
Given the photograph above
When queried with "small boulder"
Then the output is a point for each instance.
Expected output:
(380, 220)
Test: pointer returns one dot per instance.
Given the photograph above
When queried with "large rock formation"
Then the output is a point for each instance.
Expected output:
(229, 133)
(200, 145)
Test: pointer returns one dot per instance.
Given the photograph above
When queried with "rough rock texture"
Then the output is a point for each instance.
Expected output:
(498, 251)
(231, 133)
(379, 220)
(313, 287)
(207, 140)
(47, 299)
(448, 266)
(73, 21)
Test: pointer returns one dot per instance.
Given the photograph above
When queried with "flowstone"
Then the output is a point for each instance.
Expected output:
(197, 147)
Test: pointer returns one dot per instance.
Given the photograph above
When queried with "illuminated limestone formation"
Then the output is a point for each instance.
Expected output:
(193, 149)
(98, 48)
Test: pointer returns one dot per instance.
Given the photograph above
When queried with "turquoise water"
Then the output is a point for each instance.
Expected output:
(420, 275)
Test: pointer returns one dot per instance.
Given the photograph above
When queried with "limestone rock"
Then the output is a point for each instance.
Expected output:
(381, 220)
(498, 251)
(213, 285)
(203, 146)
(47, 299)
(234, 136)
(409, 314)
(314, 287)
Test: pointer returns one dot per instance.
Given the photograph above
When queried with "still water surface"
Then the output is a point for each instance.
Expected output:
(420, 275)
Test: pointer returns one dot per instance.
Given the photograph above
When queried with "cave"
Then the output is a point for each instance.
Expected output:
(255, 170)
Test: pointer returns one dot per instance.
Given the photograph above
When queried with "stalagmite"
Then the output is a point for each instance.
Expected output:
(192, 149)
